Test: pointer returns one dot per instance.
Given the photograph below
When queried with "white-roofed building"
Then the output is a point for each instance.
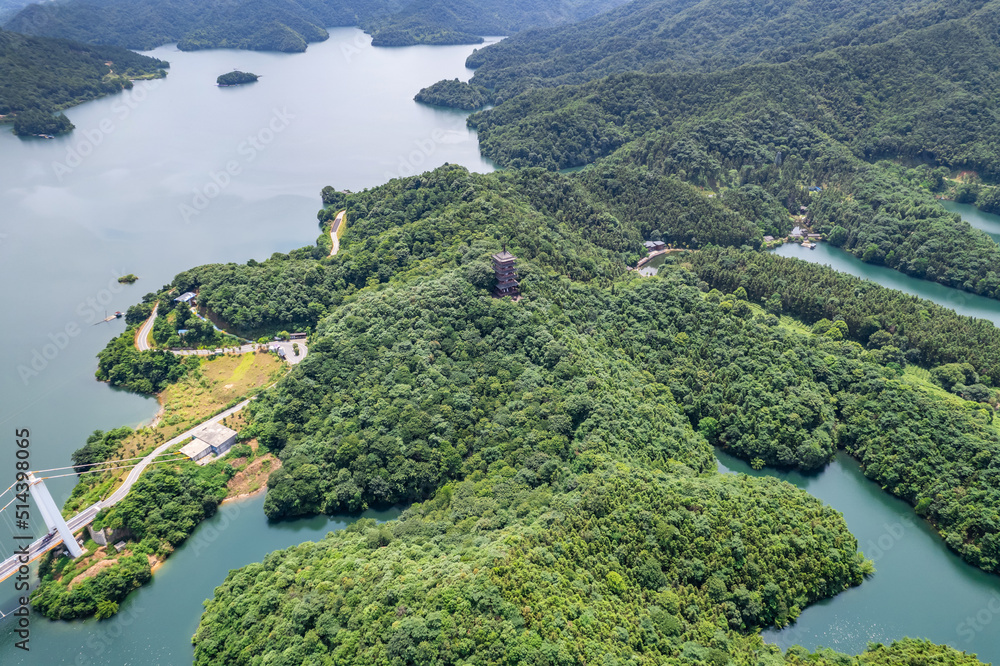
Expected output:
(211, 438)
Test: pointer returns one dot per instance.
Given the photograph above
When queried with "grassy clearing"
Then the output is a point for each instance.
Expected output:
(215, 384)
(921, 379)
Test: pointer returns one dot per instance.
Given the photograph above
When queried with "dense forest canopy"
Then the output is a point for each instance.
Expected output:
(807, 132)
(563, 567)
(455, 94)
(448, 219)
(42, 75)
(560, 444)
(263, 25)
(926, 333)
(919, 95)
(235, 78)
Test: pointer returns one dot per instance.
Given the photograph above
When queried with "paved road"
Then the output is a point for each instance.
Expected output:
(333, 235)
(246, 349)
(142, 339)
(142, 342)
(9, 566)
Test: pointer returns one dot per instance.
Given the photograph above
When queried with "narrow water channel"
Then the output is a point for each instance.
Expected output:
(984, 221)
(961, 302)
(920, 589)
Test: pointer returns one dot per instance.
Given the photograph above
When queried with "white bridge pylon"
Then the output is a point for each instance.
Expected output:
(52, 515)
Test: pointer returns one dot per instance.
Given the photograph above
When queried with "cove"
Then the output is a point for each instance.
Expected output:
(983, 221)
(920, 589)
(107, 199)
(155, 623)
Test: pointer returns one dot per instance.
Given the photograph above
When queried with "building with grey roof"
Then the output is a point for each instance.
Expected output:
(211, 438)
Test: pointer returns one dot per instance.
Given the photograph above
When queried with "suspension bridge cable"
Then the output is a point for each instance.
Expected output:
(103, 462)
(108, 469)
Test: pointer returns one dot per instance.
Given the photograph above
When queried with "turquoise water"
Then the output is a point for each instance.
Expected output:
(960, 301)
(920, 588)
(986, 221)
(155, 624)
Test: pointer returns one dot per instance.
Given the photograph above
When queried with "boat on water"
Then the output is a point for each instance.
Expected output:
(117, 315)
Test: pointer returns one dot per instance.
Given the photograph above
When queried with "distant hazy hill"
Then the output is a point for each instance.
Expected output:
(10, 7)
(43, 75)
(701, 35)
(462, 21)
(289, 25)
(274, 25)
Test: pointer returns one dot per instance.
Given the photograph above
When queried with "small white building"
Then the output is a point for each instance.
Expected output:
(211, 438)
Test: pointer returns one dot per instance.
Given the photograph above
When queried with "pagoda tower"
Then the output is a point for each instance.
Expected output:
(506, 273)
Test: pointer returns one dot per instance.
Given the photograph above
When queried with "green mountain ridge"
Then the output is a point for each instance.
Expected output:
(277, 25)
(463, 21)
(697, 35)
(926, 96)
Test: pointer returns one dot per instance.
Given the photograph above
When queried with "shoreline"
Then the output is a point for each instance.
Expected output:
(155, 421)
(243, 496)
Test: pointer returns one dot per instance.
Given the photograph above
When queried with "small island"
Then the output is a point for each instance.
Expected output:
(235, 78)
(128, 279)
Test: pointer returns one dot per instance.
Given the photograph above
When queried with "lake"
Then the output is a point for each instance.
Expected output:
(340, 114)
(985, 221)
(921, 589)
(174, 174)
(179, 173)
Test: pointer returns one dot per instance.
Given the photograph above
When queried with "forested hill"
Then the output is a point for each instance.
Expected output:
(927, 94)
(701, 35)
(290, 25)
(42, 75)
(560, 443)
(463, 21)
(270, 25)
(571, 247)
